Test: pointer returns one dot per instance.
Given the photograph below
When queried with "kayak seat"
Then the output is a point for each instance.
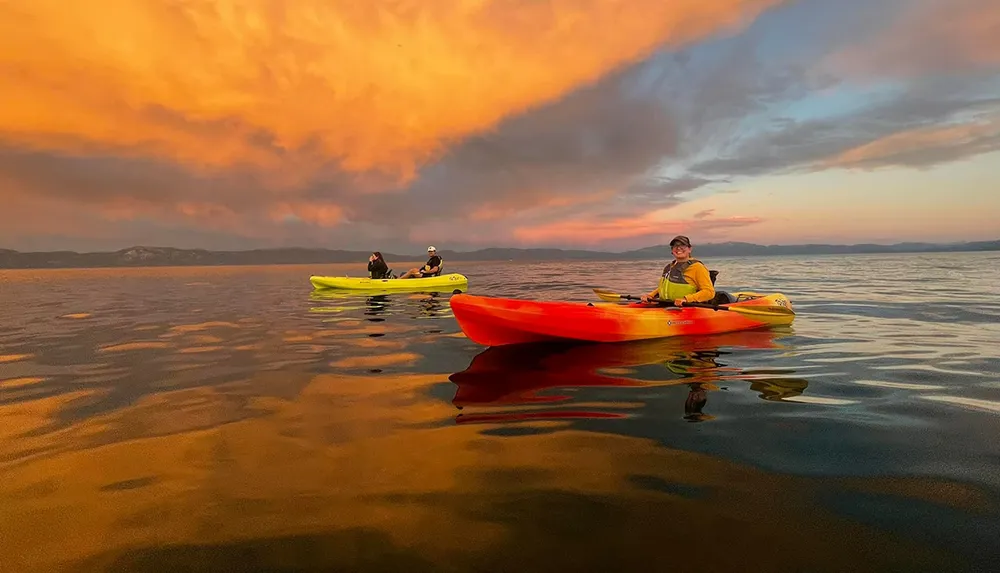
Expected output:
(722, 297)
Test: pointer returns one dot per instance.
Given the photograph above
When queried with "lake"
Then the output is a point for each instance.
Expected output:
(231, 419)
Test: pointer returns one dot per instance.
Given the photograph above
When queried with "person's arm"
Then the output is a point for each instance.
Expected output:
(651, 295)
(435, 268)
(703, 282)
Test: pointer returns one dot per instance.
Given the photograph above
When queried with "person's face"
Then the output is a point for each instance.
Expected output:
(681, 251)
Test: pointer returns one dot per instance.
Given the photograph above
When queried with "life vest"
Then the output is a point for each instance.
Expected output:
(427, 268)
(673, 285)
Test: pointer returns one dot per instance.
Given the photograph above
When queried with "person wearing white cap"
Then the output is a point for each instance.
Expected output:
(431, 268)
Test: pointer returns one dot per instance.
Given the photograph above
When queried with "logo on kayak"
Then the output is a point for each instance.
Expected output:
(675, 322)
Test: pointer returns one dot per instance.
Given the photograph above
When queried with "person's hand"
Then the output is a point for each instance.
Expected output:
(644, 298)
(679, 302)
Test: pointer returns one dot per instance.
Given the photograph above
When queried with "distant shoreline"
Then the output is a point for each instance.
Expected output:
(141, 256)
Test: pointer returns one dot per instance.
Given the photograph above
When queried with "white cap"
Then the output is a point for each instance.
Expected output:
(431, 248)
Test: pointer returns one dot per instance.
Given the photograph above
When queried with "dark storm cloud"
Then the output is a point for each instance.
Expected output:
(599, 139)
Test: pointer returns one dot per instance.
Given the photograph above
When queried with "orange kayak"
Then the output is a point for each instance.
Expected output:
(492, 321)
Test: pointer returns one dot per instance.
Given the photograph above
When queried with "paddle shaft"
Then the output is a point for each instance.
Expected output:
(611, 296)
(671, 303)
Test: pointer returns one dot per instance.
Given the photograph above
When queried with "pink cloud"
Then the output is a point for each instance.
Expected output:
(932, 37)
(917, 146)
(591, 231)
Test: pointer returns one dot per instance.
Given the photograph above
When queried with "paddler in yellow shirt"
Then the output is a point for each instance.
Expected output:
(684, 279)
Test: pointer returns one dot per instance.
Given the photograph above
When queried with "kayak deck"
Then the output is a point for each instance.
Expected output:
(444, 282)
(494, 321)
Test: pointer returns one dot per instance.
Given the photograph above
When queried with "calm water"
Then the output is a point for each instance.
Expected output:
(230, 419)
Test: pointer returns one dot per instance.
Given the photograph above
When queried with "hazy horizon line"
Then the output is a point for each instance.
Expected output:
(507, 248)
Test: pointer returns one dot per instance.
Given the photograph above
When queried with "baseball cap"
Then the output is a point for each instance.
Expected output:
(431, 248)
(680, 240)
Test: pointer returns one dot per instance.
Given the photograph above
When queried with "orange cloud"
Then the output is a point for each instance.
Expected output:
(322, 214)
(20, 217)
(495, 208)
(936, 37)
(204, 210)
(111, 217)
(921, 143)
(291, 87)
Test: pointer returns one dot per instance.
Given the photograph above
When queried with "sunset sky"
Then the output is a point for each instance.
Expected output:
(390, 125)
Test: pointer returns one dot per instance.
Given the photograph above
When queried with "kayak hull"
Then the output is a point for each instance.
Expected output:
(494, 321)
(446, 282)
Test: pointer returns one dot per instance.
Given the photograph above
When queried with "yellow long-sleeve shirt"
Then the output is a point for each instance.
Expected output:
(697, 274)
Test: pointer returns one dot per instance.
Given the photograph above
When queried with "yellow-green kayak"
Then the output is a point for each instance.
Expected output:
(441, 283)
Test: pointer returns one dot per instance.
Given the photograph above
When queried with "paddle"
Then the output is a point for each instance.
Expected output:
(612, 296)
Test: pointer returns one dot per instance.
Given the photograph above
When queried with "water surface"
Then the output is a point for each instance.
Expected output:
(231, 419)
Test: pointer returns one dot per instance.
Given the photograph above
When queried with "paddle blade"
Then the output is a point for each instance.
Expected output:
(608, 295)
(762, 310)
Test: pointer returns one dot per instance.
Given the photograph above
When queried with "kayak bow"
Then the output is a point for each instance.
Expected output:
(494, 321)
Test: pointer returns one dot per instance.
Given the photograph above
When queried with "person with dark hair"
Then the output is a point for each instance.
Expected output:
(377, 267)
(684, 279)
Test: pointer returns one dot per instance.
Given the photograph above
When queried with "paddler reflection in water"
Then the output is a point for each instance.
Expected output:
(701, 366)
(430, 269)
(684, 279)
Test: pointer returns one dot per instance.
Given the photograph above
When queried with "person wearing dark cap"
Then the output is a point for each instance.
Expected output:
(684, 279)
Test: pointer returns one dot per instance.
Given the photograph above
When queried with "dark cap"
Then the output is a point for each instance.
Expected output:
(680, 240)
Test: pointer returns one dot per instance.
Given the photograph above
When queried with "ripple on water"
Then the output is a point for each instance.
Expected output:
(131, 396)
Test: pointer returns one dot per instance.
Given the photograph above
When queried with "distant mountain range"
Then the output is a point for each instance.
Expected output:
(168, 256)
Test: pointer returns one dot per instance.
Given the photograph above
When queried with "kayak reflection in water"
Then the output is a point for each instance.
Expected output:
(432, 306)
(431, 268)
(519, 378)
(684, 279)
(377, 267)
